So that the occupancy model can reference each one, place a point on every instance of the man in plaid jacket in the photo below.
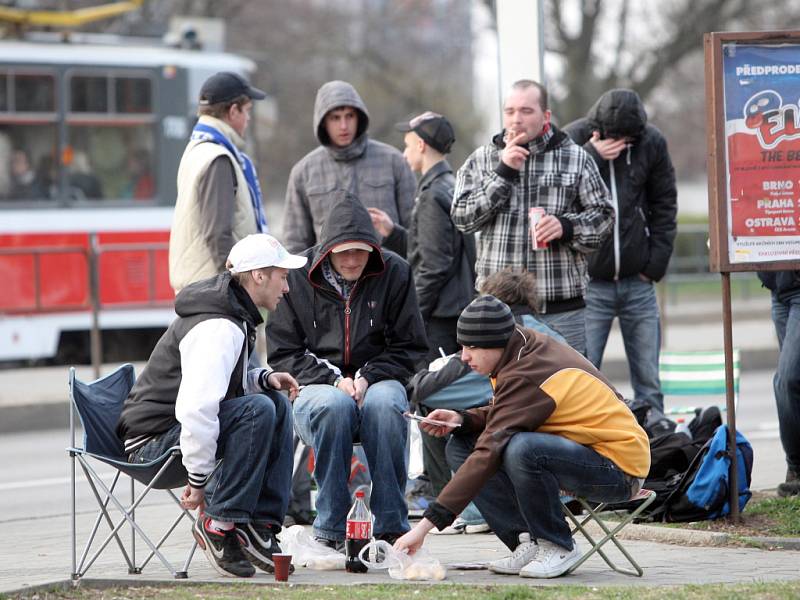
(533, 164)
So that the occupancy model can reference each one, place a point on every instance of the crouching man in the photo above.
(196, 392)
(555, 423)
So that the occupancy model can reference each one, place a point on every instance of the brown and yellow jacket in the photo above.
(545, 386)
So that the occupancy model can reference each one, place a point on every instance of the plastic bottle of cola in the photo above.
(359, 531)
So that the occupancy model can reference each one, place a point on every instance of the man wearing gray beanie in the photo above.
(555, 422)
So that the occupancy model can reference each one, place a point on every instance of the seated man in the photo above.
(555, 424)
(196, 392)
(352, 335)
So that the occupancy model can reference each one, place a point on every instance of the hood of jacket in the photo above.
(618, 113)
(348, 221)
(220, 295)
(336, 94)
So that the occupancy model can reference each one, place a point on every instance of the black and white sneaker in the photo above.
(259, 543)
(223, 549)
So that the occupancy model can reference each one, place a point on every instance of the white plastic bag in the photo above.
(308, 552)
(421, 566)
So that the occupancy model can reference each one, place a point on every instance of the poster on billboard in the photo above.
(753, 80)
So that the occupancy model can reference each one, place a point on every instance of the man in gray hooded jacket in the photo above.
(349, 161)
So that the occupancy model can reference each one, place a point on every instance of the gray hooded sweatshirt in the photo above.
(373, 172)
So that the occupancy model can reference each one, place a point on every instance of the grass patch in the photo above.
(238, 591)
(763, 516)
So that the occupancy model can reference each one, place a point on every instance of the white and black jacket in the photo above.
(199, 362)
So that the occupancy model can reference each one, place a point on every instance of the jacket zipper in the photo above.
(615, 203)
(347, 312)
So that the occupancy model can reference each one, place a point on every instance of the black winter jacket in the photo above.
(785, 284)
(442, 258)
(643, 191)
(317, 335)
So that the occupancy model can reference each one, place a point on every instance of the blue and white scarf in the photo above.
(206, 133)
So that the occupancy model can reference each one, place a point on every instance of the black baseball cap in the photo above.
(226, 86)
(434, 129)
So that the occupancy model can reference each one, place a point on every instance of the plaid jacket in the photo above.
(494, 199)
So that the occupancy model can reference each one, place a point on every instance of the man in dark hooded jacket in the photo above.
(351, 334)
(635, 165)
(347, 160)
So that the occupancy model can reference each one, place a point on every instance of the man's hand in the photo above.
(412, 540)
(381, 221)
(347, 386)
(284, 382)
(360, 385)
(192, 498)
(513, 154)
(609, 148)
(549, 229)
(441, 414)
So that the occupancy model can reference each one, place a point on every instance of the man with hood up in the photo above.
(351, 334)
(346, 160)
(197, 392)
(635, 165)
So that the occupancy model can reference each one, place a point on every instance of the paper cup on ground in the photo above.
(282, 562)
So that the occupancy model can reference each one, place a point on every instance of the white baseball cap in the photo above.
(261, 250)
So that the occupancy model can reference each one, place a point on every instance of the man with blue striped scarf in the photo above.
(219, 197)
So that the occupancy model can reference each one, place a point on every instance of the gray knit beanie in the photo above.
(485, 323)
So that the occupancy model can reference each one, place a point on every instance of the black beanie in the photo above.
(485, 323)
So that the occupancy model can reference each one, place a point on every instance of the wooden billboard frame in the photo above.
(719, 258)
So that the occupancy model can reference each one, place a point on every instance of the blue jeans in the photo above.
(786, 316)
(633, 301)
(329, 421)
(570, 324)
(255, 445)
(524, 494)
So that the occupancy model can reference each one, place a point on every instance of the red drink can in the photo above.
(535, 216)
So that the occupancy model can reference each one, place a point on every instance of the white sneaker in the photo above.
(522, 555)
(551, 561)
(456, 527)
(478, 528)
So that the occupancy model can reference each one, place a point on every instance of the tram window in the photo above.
(34, 93)
(28, 170)
(133, 95)
(88, 94)
(118, 159)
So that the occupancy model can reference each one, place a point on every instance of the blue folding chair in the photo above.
(99, 405)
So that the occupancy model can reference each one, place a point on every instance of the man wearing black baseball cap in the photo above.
(219, 196)
(441, 257)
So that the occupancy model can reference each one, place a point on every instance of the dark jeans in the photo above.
(441, 334)
(524, 495)
(786, 316)
(255, 443)
(634, 303)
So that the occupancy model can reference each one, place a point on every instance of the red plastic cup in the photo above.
(282, 562)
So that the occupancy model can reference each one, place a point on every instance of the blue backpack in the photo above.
(703, 492)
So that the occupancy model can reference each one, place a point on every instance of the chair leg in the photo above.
(135, 570)
(73, 527)
(126, 517)
(610, 535)
(91, 478)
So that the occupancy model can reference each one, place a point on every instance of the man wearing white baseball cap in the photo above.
(197, 392)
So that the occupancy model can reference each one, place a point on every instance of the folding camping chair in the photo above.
(646, 497)
(696, 373)
(99, 405)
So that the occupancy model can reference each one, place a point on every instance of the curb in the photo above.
(692, 537)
